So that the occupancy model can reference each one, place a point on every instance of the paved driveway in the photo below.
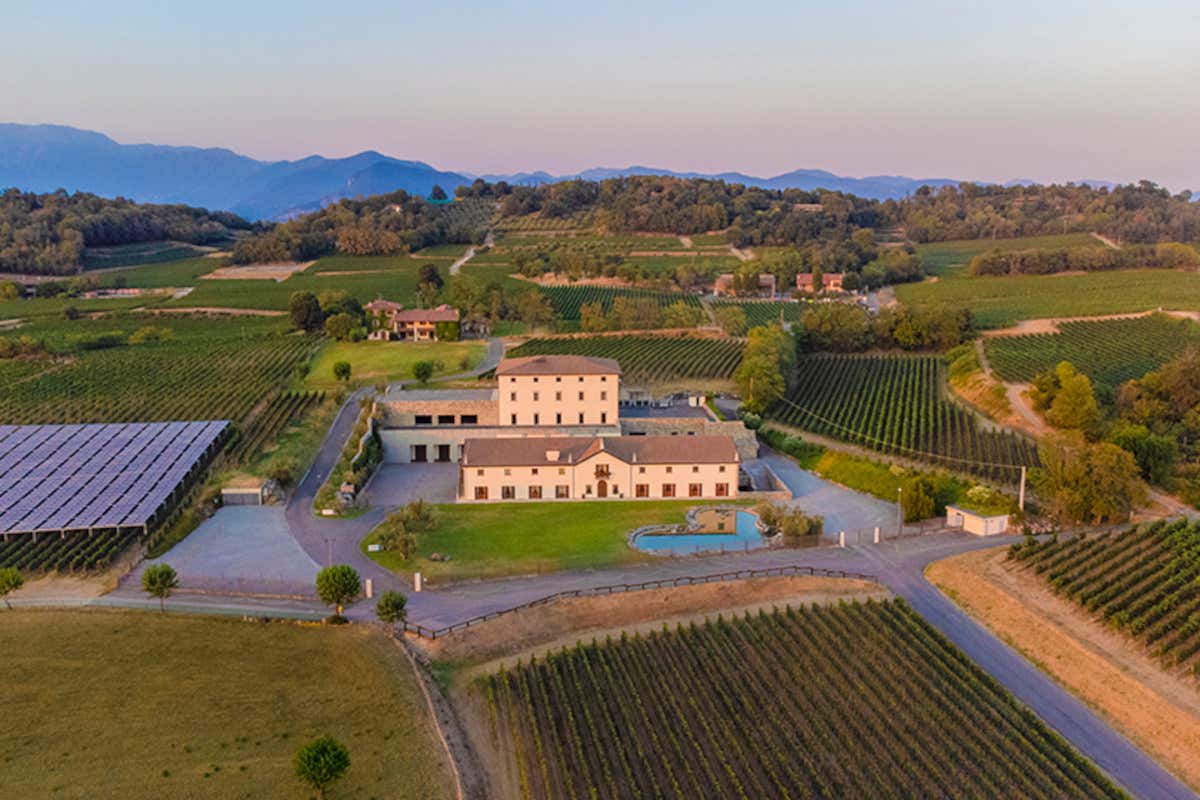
(397, 484)
(241, 548)
(843, 509)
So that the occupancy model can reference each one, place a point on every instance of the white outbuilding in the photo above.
(976, 522)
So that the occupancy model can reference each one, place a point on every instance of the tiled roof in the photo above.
(558, 365)
(544, 451)
(442, 313)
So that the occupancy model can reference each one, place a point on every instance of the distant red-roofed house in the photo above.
(392, 321)
(830, 282)
(726, 285)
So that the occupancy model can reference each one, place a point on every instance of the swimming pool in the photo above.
(712, 530)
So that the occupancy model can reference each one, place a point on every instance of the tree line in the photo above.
(47, 234)
(1165, 255)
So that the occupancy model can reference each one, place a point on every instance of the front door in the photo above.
(419, 454)
(602, 488)
(443, 452)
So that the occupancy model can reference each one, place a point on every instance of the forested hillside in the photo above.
(46, 234)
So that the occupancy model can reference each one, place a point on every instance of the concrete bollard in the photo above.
(841, 538)
(876, 534)
(416, 581)
(369, 589)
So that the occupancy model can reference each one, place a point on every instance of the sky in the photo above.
(1051, 90)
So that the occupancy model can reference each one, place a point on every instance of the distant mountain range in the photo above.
(43, 158)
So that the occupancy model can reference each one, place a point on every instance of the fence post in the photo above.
(417, 581)
(370, 589)
(876, 534)
(841, 538)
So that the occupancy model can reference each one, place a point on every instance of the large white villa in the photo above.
(559, 427)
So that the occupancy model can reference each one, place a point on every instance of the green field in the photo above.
(649, 359)
(1002, 301)
(567, 299)
(898, 405)
(765, 312)
(185, 272)
(142, 706)
(143, 253)
(339, 263)
(947, 258)
(495, 539)
(373, 362)
(1110, 352)
(853, 700)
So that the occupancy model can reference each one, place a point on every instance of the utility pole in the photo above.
(899, 510)
(1021, 494)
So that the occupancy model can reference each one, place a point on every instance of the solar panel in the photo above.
(72, 477)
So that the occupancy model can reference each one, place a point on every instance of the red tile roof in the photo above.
(534, 451)
(558, 365)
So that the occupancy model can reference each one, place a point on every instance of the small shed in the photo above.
(246, 490)
(976, 522)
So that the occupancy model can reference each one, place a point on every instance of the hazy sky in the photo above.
(1052, 89)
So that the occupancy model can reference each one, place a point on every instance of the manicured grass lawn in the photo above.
(139, 705)
(946, 258)
(998, 302)
(372, 362)
(491, 539)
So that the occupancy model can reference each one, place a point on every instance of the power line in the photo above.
(857, 435)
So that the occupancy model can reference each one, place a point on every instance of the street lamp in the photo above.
(899, 510)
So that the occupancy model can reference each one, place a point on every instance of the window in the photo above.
(533, 471)
(508, 492)
(695, 489)
(581, 379)
(423, 419)
(668, 490)
(722, 490)
(604, 395)
(603, 378)
(695, 468)
(536, 419)
(479, 472)
(558, 395)
(581, 395)
(514, 419)
(535, 493)
(670, 470)
(535, 380)
(512, 396)
(445, 419)
(641, 470)
(558, 379)
(512, 380)
(481, 493)
(580, 417)
(641, 490)
(603, 417)
(562, 490)
(507, 471)
(468, 419)
(721, 468)
(558, 419)
(562, 470)
(536, 397)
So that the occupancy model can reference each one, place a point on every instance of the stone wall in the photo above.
(743, 438)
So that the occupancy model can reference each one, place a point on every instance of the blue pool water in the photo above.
(718, 530)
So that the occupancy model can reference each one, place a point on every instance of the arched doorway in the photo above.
(602, 488)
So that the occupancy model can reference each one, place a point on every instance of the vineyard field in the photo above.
(205, 371)
(898, 405)
(945, 258)
(1144, 581)
(853, 700)
(567, 299)
(74, 553)
(649, 359)
(765, 312)
(1110, 352)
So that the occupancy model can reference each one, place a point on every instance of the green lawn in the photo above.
(946, 258)
(171, 273)
(372, 362)
(138, 705)
(998, 302)
(492, 539)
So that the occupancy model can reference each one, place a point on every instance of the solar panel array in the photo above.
(76, 477)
